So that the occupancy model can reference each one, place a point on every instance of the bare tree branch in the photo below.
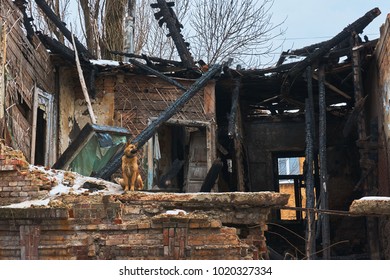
(234, 28)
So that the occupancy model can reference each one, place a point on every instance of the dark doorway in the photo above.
(40, 147)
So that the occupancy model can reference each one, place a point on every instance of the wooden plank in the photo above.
(332, 87)
(83, 85)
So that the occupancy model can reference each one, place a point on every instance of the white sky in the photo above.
(313, 21)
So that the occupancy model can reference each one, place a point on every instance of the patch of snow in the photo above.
(176, 212)
(64, 186)
(386, 198)
(29, 203)
(342, 104)
(104, 62)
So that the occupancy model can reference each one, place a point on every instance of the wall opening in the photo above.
(40, 143)
(290, 180)
(177, 157)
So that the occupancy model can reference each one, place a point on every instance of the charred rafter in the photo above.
(85, 54)
(167, 15)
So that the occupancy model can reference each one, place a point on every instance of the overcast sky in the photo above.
(313, 21)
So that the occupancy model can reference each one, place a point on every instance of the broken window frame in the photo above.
(44, 101)
(83, 139)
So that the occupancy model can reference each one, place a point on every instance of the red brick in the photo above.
(165, 237)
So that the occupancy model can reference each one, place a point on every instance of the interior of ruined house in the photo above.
(313, 132)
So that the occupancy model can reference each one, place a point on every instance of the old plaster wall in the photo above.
(378, 87)
(73, 109)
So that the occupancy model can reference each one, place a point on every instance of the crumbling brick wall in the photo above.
(135, 225)
(17, 182)
(105, 227)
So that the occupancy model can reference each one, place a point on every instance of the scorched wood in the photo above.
(357, 27)
(61, 26)
(149, 131)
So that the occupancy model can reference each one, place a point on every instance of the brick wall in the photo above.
(17, 182)
(133, 225)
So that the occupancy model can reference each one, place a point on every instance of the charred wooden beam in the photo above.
(332, 87)
(152, 58)
(211, 176)
(149, 131)
(307, 50)
(169, 17)
(232, 128)
(145, 135)
(158, 74)
(57, 47)
(61, 26)
(21, 4)
(357, 27)
(309, 179)
(323, 165)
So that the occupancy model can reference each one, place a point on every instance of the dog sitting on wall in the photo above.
(131, 177)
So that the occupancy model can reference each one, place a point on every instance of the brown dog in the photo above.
(131, 177)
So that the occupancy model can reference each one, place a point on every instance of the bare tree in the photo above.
(232, 29)
(216, 30)
(113, 27)
(90, 24)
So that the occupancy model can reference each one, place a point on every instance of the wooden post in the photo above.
(309, 179)
(232, 128)
(323, 166)
(83, 85)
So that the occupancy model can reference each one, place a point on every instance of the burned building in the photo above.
(288, 147)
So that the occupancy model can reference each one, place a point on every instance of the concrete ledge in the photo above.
(239, 199)
(371, 206)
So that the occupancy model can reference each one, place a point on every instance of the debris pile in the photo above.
(24, 185)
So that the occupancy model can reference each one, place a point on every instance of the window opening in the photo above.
(290, 180)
